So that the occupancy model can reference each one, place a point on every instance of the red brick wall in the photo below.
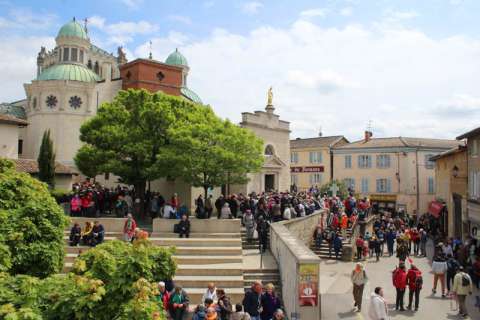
(143, 75)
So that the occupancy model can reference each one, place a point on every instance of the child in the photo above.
(239, 314)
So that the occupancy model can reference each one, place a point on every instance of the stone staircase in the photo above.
(265, 275)
(203, 258)
(322, 252)
(253, 244)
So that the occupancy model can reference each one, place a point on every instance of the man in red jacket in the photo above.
(415, 282)
(400, 283)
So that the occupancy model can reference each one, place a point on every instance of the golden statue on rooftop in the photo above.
(270, 97)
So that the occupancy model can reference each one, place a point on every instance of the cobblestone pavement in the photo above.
(337, 299)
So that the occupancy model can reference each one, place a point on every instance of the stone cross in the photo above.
(334, 189)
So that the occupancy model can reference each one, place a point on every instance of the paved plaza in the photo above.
(337, 299)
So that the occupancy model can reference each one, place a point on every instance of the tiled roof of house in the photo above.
(474, 132)
(31, 166)
(457, 149)
(395, 142)
(6, 118)
(315, 142)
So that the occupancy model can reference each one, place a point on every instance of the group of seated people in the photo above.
(92, 234)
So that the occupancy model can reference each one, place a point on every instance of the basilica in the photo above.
(76, 77)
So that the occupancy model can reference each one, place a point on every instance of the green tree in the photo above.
(31, 225)
(211, 152)
(88, 160)
(342, 188)
(46, 160)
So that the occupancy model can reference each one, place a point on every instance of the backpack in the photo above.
(418, 280)
(465, 280)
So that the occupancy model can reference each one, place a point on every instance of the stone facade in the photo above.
(312, 161)
(451, 178)
(473, 177)
(395, 173)
(275, 133)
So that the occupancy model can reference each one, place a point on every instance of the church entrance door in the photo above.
(269, 182)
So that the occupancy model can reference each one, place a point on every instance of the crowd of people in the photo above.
(259, 303)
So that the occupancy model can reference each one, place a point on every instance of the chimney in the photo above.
(368, 135)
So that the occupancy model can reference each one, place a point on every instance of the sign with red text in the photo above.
(308, 285)
(307, 169)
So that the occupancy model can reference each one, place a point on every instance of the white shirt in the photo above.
(287, 214)
(378, 308)
(210, 295)
(168, 211)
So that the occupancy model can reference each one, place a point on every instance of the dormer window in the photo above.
(74, 56)
(269, 151)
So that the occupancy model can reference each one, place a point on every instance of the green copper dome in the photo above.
(74, 72)
(177, 59)
(73, 29)
(190, 95)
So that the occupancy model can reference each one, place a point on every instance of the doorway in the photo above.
(269, 182)
(457, 215)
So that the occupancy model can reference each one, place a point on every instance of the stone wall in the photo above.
(287, 243)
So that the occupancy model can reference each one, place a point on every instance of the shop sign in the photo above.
(308, 285)
(383, 197)
(307, 169)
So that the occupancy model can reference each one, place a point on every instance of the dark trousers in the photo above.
(415, 292)
(182, 233)
(209, 212)
(450, 277)
(400, 295)
(416, 247)
(75, 240)
(359, 253)
(390, 249)
(177, 314)
(263, 243)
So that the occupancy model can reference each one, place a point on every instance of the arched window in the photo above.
(89, 64)
(269, 151)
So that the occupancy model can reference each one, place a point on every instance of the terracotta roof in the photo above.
(458, 149)
(315, 142)
(31, 166)
(5, 118)
(474, 132)
(401, 142)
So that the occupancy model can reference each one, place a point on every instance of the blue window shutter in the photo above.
(389, 185)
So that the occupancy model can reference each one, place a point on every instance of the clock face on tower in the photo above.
(51, 101)
(75, 102)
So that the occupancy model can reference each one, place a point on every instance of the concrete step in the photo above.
(195, 294)
(66, 239)
(198, 242)
(79, 249)
(67, 267)
(196, 260)
(212, 270)
(258, 276)
(203, 281)
(196, 235)
(209, 251)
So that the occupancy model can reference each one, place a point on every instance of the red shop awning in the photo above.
(435, 208)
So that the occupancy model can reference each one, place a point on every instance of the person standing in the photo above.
(359, 245)
(423, 243)
(224, 305)
(414, 282)
(252, 301)
(249, 223)
(390, 237)
(178, 303)
(358, 278)
(378, 306)
(439, 268)
(337, 245)
(452, 268)
(262, 229)
(344, 225)
(400, 284)
(209, 206)
(270, 302)
(129, 228)
(462, 285)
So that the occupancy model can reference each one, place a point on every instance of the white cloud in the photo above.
(251, 7)
(122, 32)
(311, 13)
(24, 18)
(337, 78)
(346, 12)
(132, 4)
(181, 19)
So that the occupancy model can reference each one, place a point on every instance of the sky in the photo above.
(409, 68)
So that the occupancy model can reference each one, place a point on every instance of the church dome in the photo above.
(73, 29)
(190, 95)
(177, 59)
(74, 72)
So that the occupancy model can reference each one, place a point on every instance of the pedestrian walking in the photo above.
(452, 269)
(439, 268)
(462, 285)
(337, 245)
(359, 244)
(252, 301)
(390, 237)
(358, 278)
(423, 243)
(415, 283)
(400, 284)
(378, 306)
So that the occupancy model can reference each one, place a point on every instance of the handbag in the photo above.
(176, 228)
(255, 234)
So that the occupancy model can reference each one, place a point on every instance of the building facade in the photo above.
(451, 189)
(395, 173)
(473, 177)
(275, 172)
(10, 127)
(311, 160)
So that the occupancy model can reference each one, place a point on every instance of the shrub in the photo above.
(31, 225)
